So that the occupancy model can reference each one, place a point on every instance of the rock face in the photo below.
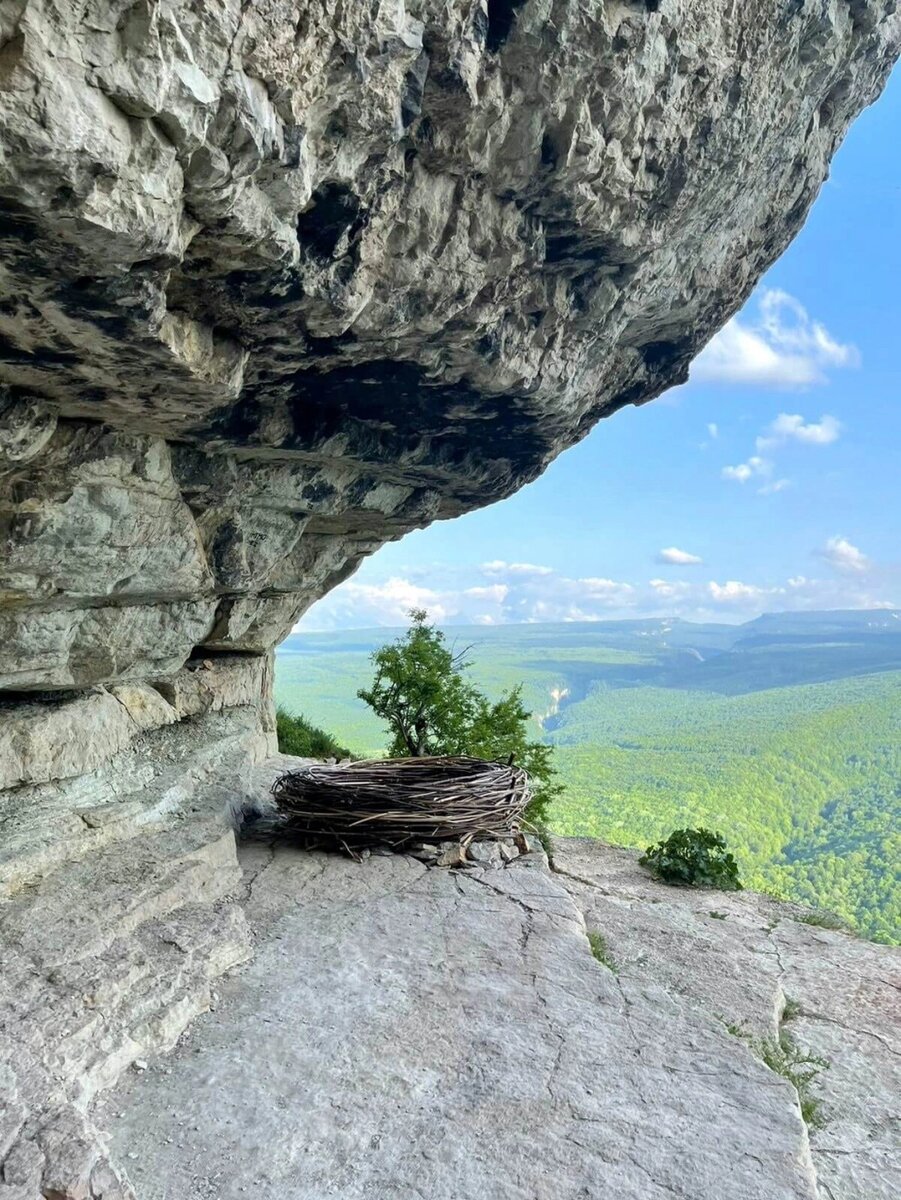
(757, 966)
(281, 280)
(417, 1031)
(116, 854)
(404, 1028)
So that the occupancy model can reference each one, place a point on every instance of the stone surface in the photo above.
(116, 855)
(420, 1031)
(405, 1029)
(110, 950)
(750, 961)
(283, 281)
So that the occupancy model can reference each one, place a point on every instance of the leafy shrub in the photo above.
(298, 737)
(420, 690)
(693, 858)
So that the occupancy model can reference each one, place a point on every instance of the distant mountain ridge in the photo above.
(772, 650)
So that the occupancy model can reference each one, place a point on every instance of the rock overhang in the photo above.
(339, 274)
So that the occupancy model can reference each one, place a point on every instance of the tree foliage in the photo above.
(693, 858)
(420, 689)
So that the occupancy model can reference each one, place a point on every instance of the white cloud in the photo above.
(783, 348)
(755, 466)
(496, 592)
(674, 556)
(713, 430)
(734, 592)
(790, 427)
(454, 595)
(606, 592)
(844, 556)
(386, 603)
(787, 427)
(499, 567)
(667, 590)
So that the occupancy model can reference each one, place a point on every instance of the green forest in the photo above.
(783, 735)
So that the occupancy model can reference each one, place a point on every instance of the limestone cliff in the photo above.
(281, 280)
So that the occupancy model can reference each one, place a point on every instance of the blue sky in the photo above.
(776, 466)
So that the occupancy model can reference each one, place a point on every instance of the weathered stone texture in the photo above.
(754, 964)
(415, 1030)
(116, 858)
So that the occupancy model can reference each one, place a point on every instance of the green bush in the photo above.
(693, 858)
(298, 737)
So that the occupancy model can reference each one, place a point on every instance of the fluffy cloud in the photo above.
(790, 427)
(844, 556)
(454, 596)
(496, 593)
(755, 466)
(733, 592)
(787, 427)
(673, 556)
(387, 603)
(782, 347)
(599, 589)
(667, 590)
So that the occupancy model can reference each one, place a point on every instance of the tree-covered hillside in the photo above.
(785, 734)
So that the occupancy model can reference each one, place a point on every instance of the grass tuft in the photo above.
(783, 1056)
(601, 952)
(823, 918)
(791, 1009)
(539, 830)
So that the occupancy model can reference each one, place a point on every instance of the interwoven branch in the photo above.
(397, 801)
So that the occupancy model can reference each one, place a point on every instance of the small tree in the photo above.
(421, 691)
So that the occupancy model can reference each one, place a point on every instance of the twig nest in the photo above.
(402, 801)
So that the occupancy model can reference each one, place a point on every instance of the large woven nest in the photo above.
(395, 801)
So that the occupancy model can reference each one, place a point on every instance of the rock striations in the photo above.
(281, 280)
